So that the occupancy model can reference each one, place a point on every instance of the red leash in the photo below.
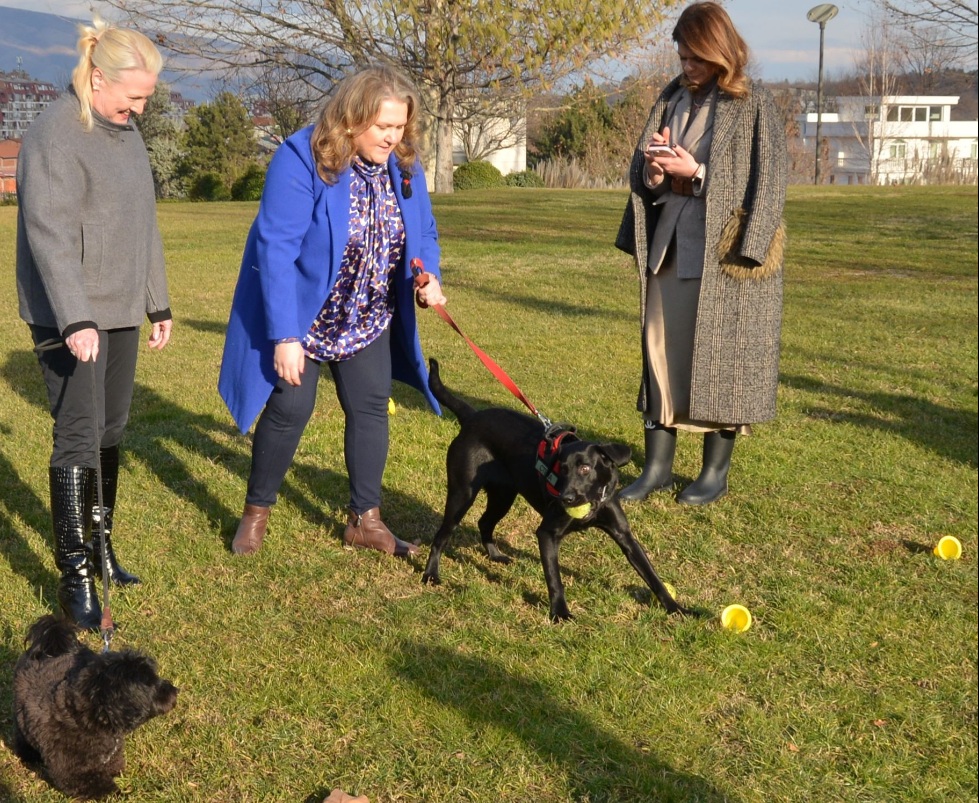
(421, 279)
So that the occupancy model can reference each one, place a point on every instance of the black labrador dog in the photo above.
(572, 483)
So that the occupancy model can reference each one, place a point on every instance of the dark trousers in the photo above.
(87, 417)
(363, 385)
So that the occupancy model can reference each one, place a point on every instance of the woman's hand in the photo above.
(289, 362)
(682, 165)
(83, 344)
(654, 170)
(430, 293)
(160, 334)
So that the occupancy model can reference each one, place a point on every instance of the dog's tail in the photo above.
(461, 409)
(50, 637)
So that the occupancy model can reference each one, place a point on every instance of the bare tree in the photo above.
(290, 101)
(926, 56)
(453, 49)
(489, 123)
(878, 76)
(957, 19)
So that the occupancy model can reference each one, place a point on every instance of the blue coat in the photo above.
(291, 262)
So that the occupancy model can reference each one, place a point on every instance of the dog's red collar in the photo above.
(548, 464)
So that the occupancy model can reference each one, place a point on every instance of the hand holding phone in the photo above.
(660, 149)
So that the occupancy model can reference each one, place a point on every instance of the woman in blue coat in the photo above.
(325, 281)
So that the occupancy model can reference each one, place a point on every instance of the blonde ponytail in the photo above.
(113, 50)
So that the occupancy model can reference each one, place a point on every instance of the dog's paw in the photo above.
(429, 579)
(561, 615)
(494, 554)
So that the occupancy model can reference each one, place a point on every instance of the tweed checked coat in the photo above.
(734, 375)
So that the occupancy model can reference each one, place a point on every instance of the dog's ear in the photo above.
(618, 453)
(50, 637)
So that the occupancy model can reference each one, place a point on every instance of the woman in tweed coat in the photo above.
(704, 224)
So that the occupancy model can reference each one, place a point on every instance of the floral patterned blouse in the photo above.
(361, 303)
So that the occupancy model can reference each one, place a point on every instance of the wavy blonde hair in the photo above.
(354, 106)
(113, 50)
(706, 30)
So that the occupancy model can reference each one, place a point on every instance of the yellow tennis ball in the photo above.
(949, 548)
(736, 618)
(579, 511)
(391, 408)
(670, 590)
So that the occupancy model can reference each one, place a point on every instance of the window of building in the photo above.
(897, 149)
(914, 114)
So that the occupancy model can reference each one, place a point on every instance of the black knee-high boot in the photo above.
(71, 504)
(711, 485)
(109, 459)
(657, 473)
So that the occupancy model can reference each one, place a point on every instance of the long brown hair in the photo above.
(706, 30)
(352, 108)
(113, 50)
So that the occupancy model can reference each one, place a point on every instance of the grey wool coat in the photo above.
(736, 343)
(89, 252)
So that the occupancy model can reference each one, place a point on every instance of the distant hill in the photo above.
(43, 46)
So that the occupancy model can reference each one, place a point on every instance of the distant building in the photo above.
(22, 98)
(497, 137)
(179, 107)
(9, 151)
(895, 139)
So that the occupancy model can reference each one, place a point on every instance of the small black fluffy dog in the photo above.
(73, 706)
(506, 453)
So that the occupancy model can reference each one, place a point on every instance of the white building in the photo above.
(894, 139)
(500, 141)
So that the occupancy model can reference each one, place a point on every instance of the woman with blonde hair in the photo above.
(89, 269)
(704, 224)
(326, 281)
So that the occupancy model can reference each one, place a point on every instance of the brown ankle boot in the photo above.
(367, 531)
(251, 530)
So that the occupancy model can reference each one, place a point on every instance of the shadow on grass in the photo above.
(597, 764)
(948, 432)
(21, 501)
(550, 308)
(154, 424)
(207, 327)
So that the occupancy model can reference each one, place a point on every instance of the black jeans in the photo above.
(363, 385)
(86, 417)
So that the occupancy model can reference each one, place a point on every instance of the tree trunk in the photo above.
(443, 144)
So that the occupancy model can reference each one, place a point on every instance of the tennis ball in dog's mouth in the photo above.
(578, 511)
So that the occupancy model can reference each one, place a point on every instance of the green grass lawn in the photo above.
(309, 667)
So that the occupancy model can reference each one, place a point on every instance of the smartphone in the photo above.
(660, 149)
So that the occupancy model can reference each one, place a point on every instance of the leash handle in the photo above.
(421, 279)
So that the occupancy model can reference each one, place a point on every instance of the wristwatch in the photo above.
(697, 179)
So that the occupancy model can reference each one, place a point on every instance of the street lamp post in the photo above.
(822, 14)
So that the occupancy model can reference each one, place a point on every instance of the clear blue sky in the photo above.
(783, 42)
